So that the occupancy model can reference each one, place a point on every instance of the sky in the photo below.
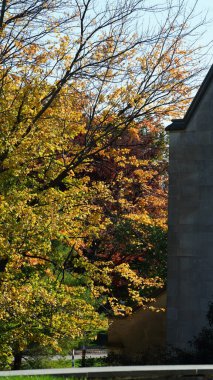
(205, 36)
(206, 6)
(203, 8)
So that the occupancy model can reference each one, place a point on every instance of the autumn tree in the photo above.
(75, 77)
(135, 171)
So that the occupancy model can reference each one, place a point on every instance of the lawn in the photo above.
(40, 377)
(43, 363)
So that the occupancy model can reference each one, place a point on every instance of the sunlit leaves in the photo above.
(83, 164)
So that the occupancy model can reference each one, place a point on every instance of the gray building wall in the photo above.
(190, 262)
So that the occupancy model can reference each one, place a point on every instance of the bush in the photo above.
(201, 351)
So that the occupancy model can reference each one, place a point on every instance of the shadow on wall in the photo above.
(140, 332)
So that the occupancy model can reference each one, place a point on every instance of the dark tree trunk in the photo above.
(83, 358)
(17, 360)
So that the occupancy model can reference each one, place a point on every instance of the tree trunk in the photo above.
(17, 361)
(83, 359)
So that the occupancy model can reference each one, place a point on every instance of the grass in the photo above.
(82, 378)
(40, 377)
(62, 363)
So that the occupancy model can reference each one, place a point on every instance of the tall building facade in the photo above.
(190, 261)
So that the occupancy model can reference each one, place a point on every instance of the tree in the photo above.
(153, 67)
(135, 170)
(39, 302)
(71, 85)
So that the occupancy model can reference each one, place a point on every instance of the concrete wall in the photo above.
(139, 332)
(190, 263)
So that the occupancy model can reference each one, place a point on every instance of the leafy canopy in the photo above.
(78, 87)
